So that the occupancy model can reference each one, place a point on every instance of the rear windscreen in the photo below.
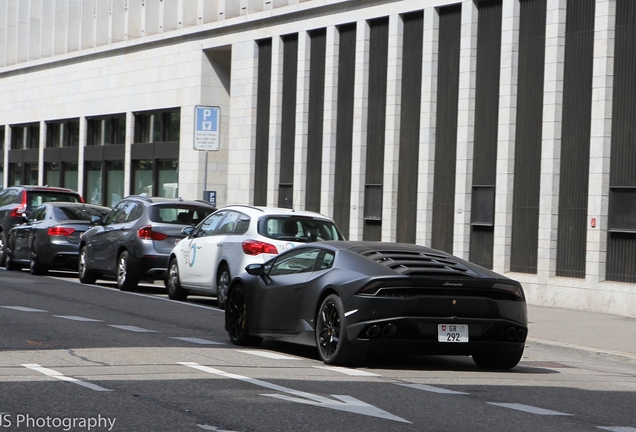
(37, 198)
(79, 212)
(298, 229)
(180, 215)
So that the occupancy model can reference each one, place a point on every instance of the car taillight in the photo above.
(18, 211)
(60, 231)
(146, 233)
(255, 247)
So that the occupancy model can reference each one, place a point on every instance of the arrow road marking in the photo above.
(23, 309)
(344, 403)
(432, 389)
(55, 374)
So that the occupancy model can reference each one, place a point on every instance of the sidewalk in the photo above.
(603, 334)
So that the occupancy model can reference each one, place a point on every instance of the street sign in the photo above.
(210, 196)
(206, 127)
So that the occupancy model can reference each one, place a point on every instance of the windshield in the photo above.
(179, 214)
(297, 228)
(79, 212)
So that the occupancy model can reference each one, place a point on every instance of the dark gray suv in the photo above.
(133, 242)
(16, 202)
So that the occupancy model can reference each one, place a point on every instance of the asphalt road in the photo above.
(78, 357)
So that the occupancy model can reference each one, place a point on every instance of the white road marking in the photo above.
(55, 374)
(344, 403)
(617, 428)
(77, 318)
(198, 341)
(23, 309)
(133, 329)
(432, 389)
(347, 371)
(528, 409)
(213, 428)
(268, 355)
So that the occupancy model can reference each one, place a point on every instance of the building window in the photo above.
(1, 138)
(52, 174)
(115, 182)
(25, 136)
(156, 177)
(63, 133)
(93, 183)
(104, 182)
(61, 174)
(109, 130)
(23, 173)
(157, 126)
(70, 175)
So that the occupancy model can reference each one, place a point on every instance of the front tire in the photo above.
(3, 248)
(125, 280)
(236, 318)
(333, 346)
(85, 275)
(496, 359)
(175, 292)
(223, 279)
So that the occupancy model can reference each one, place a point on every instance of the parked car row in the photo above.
(278, 273)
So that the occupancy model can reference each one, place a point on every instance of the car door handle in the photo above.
(219, 244)
(199, 246)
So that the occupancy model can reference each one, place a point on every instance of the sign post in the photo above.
(206, 133)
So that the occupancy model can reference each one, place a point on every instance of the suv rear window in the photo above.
(179, 214)
(301, 229)
(37, 198)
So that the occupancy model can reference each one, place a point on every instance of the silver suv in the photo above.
(134, 240)
(228, 240)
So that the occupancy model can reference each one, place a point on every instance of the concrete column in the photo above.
(428, 111)
(41, 145)
(392, 129)
(329, 122)
(601, 138)
(551, 138)
(506, 135)
(242, 122)
(465, 129)
(275, 121)
(359, 138)
(302, 120)
(128, 140)
(83, 126)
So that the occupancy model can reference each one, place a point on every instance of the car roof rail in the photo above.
(248, 206)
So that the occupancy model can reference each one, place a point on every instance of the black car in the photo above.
(50, 237)
(134, 240)
(16, 202)
(348, 298)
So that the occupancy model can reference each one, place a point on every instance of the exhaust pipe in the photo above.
(512, 333)
(389, 330)
(373, 331)
(521, 335)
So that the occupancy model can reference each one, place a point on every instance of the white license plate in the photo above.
(452, 333)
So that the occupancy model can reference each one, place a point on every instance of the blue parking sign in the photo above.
(206, 128)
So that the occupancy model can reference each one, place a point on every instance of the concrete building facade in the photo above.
(497, 130)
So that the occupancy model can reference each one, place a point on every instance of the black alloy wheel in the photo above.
(85, 275)
(9, 263)
(236, 318)
(223, 280)
(175, 292)
(125, 280)
(331, 340)
(3, 248)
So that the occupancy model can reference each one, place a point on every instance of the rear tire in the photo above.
(223, 279)
(3, 248)
(175, 292)
(34, 267)
(85, 275)
(237, 319)
(333, 346)
(496, 359)
(125, 281)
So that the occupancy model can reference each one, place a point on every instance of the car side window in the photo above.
(325, 261)
(114, 213)
(229, 223)
(126, 213)
(38, 214)
(209, 226)
(297, 261)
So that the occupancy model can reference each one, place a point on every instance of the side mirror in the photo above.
(255, 269)
(95, 220)
(187, 231)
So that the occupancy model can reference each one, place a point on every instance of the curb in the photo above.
(595, 352)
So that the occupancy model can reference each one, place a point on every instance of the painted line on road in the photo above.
(198, 341)
(133, 329)
(23, 309)
(528, 409)
(77, 318)
(268, 355)
(432, 389)
(347, 371)
(617, 428)
(55, 374)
